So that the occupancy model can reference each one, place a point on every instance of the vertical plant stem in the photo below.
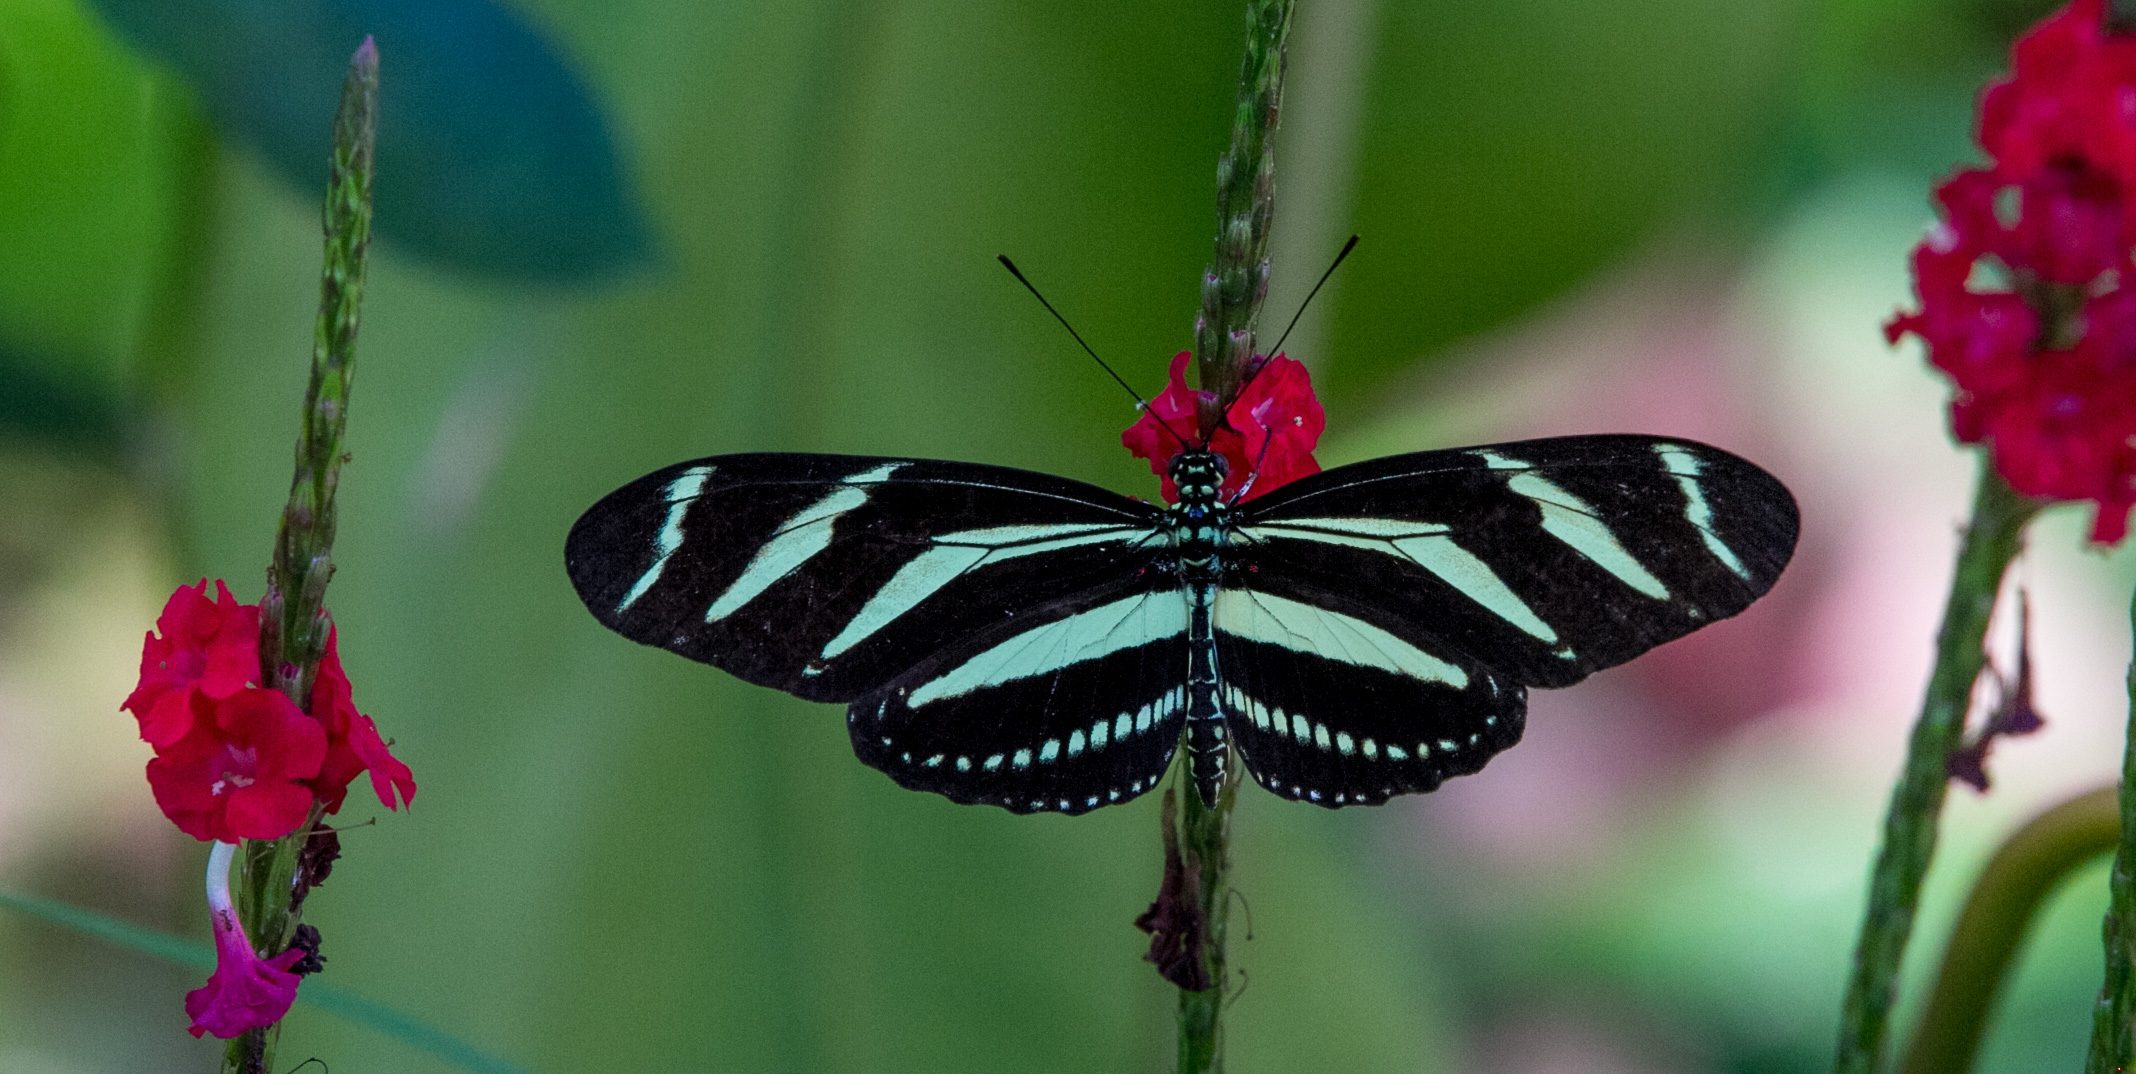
(1237, 280)
(1992, 539)
(2005, 901)
(1205, 842)
(293, 622)
(2112, 1050)
(1232, 290)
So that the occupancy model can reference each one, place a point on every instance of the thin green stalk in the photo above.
(1205, 842)
(1232, 292)
(293, 622)
(2028, 867)
(1992, 539)
(1237, 280)
(2112, 1049)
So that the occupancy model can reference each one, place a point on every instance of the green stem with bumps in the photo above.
(1237, 279)
(2112, 1049)
(1984, 943)
(1232, 291)
(293, 621)
(2113, 1019)
(1992, 540)
(1205, 843)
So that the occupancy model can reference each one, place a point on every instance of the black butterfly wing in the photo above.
(1327, 706)
(1068, 707)
(1405, 602)
(828, 576)
(1548, 559)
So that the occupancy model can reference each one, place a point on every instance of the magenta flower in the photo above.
(245, 991)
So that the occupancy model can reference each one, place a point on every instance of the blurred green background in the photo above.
(616, 235)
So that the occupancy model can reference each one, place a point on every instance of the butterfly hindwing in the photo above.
(1329, 705)
(1546, 559)
(826, 576)
(1069, 707)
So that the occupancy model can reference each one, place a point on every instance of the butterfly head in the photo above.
(1199, 473)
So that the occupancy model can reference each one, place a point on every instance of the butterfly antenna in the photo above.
(1268, 438)
(1302, 306)
(1140, 402)
(1225, 420)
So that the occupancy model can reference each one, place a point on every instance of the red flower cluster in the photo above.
(1268, 437)
(235, 760)
(2027, 287)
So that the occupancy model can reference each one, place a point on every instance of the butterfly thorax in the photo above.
(1201, 518)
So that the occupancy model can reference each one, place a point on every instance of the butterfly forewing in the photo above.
(1546, 559)
(827, 576)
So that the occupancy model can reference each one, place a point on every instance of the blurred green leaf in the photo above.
(90, 144)
(1510, 149)
(496, 160)
(46, 404)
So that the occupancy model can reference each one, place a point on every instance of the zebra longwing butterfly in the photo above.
(1023, 640)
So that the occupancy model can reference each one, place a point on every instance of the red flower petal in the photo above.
(2045, 363)
(2069, 95)
(239, 775)
(206, 647)
(1279, 422)
(1155, 440)
(174, 715)
(1268, 436)
(353, 741)
(389, 777)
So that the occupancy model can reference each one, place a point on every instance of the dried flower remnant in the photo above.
(1179, 930)
(2013, 713)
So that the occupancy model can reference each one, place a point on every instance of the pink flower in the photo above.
(1267, 437)
(352, 740)
(245, 991)
(239, 774)
(206, 649)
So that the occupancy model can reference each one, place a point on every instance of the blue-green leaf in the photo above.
(493, 157)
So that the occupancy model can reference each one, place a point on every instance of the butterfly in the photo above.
(1023, 640)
